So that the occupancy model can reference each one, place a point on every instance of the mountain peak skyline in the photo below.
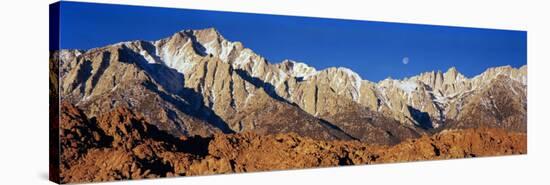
(374, 50)
(209, 35)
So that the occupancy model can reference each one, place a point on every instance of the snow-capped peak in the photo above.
(350, 73)
(298, 69)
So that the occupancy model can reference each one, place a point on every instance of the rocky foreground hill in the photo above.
(122, 145)
(196, 103)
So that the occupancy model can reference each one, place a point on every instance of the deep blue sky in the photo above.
(375, 50)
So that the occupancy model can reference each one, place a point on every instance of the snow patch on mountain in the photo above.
(245, 56)
(181, 62)
(226, 48)
(150, 59)
(211, 48)
(407, 86)
(302, 70)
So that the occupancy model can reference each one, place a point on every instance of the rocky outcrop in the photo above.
(116, 145)
(120, 144)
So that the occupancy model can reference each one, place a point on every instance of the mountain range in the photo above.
(196, 82)
(196, 103)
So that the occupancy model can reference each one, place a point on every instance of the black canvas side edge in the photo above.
(54, 153)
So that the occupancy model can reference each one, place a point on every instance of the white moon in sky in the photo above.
(405, 60)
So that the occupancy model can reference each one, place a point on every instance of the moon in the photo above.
(405, 60)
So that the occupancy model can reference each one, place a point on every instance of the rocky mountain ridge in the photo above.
(196, 82)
